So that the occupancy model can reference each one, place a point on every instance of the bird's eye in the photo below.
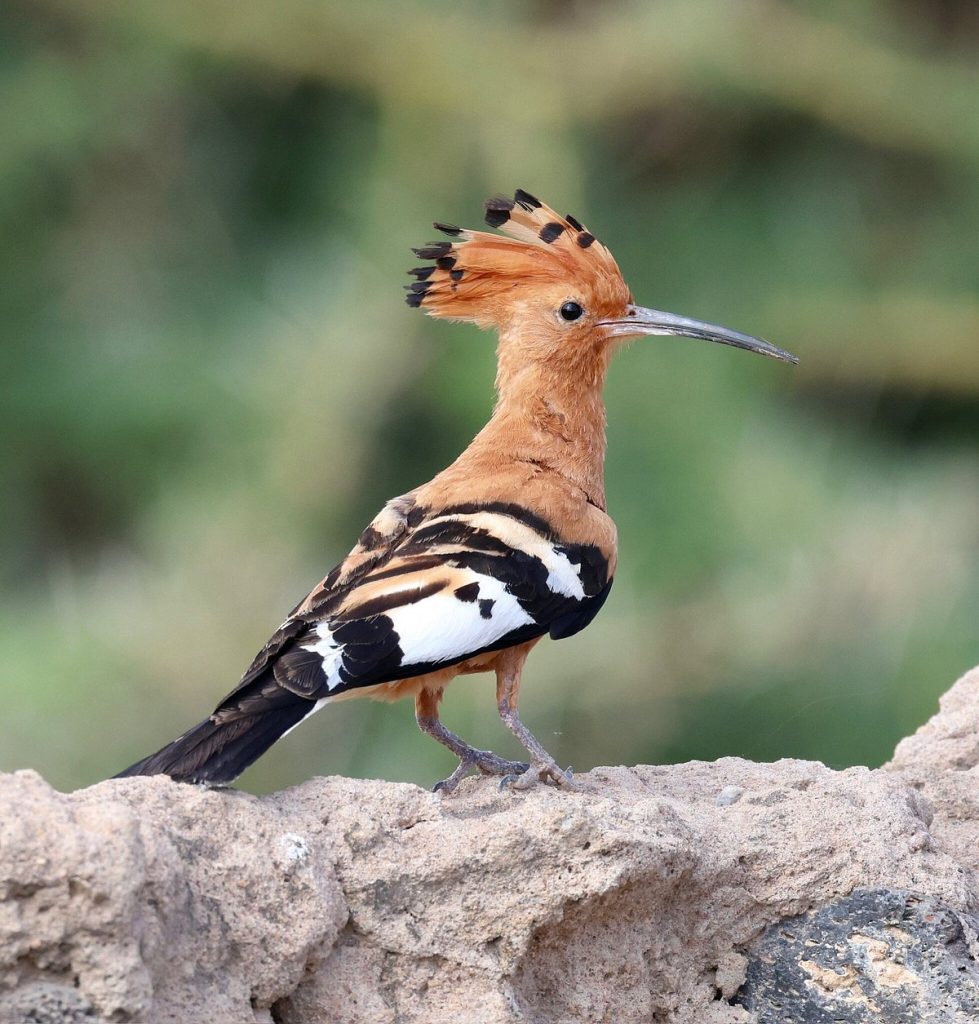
(571, 311)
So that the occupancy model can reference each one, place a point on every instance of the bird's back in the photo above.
(466, 565)
(458, 567)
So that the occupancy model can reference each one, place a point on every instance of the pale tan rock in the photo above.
(941, 762)
(347, 901)
(949, 741)
(155, 903)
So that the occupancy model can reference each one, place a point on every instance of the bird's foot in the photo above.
(542, 770)
(485, 762)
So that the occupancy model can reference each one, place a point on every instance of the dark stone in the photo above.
(877, 956)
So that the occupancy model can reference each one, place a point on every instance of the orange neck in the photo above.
(552, 414)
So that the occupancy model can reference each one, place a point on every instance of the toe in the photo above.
(493, 765)
(448, 786)
(526, 779)
(543, 772)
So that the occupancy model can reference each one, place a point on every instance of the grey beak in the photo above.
(641, 321)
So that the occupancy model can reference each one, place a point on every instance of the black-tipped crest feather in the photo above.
(526, 200)
(478, 269)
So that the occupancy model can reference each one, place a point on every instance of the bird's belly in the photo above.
(431, 681)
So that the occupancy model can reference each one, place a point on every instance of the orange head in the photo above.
(551, 289)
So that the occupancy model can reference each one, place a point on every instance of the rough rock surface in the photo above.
(677, 894)
(875, 955)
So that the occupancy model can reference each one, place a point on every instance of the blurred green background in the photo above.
(210, 381)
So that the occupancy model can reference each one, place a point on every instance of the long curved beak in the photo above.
(641, 321)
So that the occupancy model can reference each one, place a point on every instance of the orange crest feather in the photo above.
(478, 275)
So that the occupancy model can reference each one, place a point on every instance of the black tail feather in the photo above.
(216, 753)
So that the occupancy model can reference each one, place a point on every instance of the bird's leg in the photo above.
(470, 758)
(508, 669)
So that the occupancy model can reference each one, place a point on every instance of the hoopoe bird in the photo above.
(467, 572)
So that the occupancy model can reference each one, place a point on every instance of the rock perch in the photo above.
(717, 893)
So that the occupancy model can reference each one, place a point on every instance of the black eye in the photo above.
(571, 311)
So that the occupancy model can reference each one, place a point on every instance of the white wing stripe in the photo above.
(562, 573)
(438, 628)
(443, 628)
(316, 706)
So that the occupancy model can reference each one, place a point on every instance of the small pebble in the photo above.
(293, 849)
(729, 795)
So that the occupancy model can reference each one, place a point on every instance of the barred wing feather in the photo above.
(460, 584)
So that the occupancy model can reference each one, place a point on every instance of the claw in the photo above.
(448, 786)
(487, 764)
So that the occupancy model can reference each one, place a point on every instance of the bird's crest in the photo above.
(477, 273)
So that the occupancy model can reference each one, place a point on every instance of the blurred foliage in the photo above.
(210, 381)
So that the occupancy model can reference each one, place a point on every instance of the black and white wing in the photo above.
(463, 583)
(452, 585)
